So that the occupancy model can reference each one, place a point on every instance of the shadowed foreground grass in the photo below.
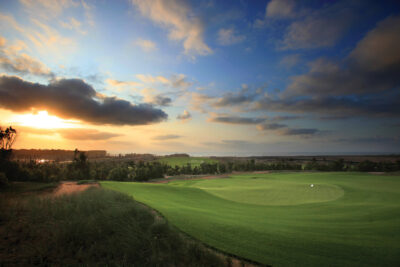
(96, 227)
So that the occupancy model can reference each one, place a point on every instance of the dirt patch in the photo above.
(377, 173)
(66, 188)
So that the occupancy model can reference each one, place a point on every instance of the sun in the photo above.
(43, 120)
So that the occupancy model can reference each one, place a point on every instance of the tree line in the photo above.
(81, 169)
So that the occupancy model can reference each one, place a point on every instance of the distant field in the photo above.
(183, 161)
(346, 219)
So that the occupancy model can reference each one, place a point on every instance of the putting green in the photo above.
(269, 191)
(346, 219)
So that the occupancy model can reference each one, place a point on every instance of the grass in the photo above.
(347, 219)
(87, 182)
(183, 161)
(26, 187)
(95, 228)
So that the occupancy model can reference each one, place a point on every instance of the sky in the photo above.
(241, 78)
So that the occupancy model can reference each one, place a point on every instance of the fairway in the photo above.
(346, 219)
(183, 161)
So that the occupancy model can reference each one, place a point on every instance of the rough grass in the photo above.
(95, 228)
(183, 161)
(25, 187)
(358, 227)
(87, 182)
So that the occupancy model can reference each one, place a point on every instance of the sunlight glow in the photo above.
(43, 120)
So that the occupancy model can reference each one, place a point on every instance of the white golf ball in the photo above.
(311, 185)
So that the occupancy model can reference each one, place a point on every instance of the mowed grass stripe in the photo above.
(360, 227)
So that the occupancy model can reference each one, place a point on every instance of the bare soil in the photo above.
(66, 188)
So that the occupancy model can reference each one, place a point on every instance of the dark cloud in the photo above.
(236, 120)
(270, 126)
(161, 101)
(283, 129)
(381, 105)
(313, 28)
(238, 98)
(373, 66)
(86, 134)
(180, 81)
(331, 118)
(299, 131)
(166, 137)
(73, 98)
(285, 118)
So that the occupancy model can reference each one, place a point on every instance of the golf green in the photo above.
(346, 219)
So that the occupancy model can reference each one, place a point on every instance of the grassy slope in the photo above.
(183, 161)
(94, 228)
(359, 228)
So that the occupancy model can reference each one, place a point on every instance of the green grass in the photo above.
(95, 228)
(347, 219)
(183, 161)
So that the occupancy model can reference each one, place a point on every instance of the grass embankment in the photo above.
(346, 219)
(183, 161)
(96, 227)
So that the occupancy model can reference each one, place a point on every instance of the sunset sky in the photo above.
(275, 77)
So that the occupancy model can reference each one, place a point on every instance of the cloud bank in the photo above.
(73, 98)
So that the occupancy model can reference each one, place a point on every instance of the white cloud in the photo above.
(145, 45)
(177, 17)
(73, 24)
(13, 60)
(229, 37)
(47, 8)
(147, 78)
(121, 85)
(177, 81)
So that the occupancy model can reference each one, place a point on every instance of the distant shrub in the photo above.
(3, 180)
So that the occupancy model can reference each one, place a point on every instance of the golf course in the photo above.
(285, 219)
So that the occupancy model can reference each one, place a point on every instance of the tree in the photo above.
(80, 165)
(7, 138)
(9, 170)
